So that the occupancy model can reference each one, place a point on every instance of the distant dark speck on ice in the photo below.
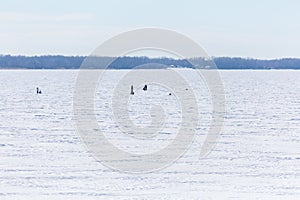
(38, 91)
(145, 88)
(132, 92)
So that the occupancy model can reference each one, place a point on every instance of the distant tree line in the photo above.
(243, 63)
(40, 62)
(74, 62)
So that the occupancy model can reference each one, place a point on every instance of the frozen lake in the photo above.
(257, 155)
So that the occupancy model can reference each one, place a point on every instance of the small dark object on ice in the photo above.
(38, 91)
(132, 92)
(145, 88)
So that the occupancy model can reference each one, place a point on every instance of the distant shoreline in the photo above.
(8, 62)
(78, 69)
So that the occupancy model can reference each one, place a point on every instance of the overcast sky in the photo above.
(256, 28)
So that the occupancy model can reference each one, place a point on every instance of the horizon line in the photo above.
(152, 57)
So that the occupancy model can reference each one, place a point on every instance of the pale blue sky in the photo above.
(256, 28)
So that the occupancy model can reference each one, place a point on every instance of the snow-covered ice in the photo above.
(257, 155)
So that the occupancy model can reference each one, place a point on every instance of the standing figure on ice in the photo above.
(132, 92)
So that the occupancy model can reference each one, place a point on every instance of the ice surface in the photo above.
(257, 155)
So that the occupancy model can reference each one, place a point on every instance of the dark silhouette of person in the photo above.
(38, 91)
(132, 92)
(145, 88)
